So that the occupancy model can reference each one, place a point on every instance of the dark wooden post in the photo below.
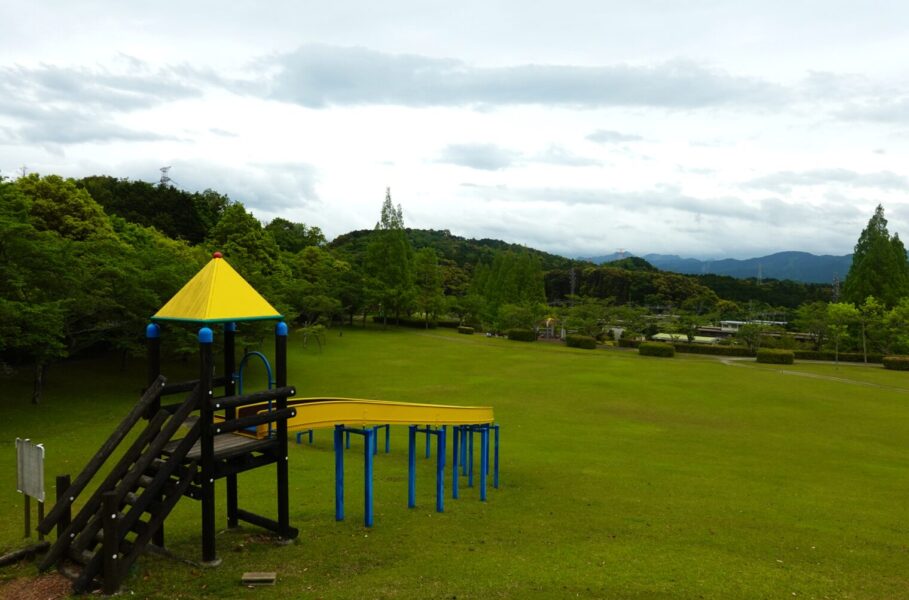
(209, 553)
(281, 432)
(63, 483)
(153, 346)
(230, 366)
(110, 544)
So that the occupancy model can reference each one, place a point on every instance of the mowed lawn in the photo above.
(622, 477)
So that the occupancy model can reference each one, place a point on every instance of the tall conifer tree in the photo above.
(879, 266)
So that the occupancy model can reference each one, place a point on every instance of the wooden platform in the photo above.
(226, 445)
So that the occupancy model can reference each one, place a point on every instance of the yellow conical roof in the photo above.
(217, 294)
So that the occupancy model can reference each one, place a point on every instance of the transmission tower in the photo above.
(165, 179)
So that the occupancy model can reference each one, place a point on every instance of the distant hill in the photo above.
(797, 266)
(459, 250)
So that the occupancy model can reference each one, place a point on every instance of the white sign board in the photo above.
(30, 480)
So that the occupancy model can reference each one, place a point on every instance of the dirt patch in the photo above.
(52, 586)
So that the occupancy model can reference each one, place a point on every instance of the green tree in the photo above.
(751, 334)
(896, 325)
(871, 318)
(879, 266)
(812, 318)
(389, 259)
(587, 316)
(428, 283)
(841, 315)
(57, 204)
(293, 237)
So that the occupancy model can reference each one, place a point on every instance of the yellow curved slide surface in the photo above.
(318, 413)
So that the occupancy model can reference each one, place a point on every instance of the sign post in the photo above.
(30, 479)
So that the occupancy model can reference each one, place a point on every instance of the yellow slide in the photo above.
(318, 413)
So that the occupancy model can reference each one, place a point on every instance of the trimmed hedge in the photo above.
(627, 343)
(713, 350)
(775, 357)
(844, 356)
(896, 363)
(580, 341)
(449, 323)
(465, 329)
(405, 322)
(521, 335)
(656, 349)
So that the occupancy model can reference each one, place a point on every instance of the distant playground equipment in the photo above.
(228, 434)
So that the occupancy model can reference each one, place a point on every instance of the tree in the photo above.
(750, 334)
(293, 237)
(871, 317)
(896, 323)
(389, 259)
(587, 316)
(840, 316)
(879, 265)
(812, 318)
(428, 283)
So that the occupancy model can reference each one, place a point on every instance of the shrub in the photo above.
(405, 322)
(775, 357)
(521, 335)
(629, 343)
(449, 323)
(844, 356)
(896, 363)
(465, 329)
(656, 349)
(713, 350)
(580, 341)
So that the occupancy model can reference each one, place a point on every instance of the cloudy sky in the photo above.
(707, 128)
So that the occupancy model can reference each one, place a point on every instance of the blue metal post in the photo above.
(347, 440)
(484, 460)
(495, 467)
(427, 442)
(412, 466)
(456, 436)
(440, 469)
(339, 473)
(464, 429)
(368, 452)
(387, 438)
(470, 455)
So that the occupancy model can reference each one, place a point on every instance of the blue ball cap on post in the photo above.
(206, 336)
(281, 329)
(152, 331)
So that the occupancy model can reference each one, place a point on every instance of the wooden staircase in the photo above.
(113, 527)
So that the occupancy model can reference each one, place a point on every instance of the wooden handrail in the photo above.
(97, 461)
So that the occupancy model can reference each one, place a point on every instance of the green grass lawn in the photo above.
(622, 477)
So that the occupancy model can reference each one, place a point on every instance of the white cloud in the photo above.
(683, 128)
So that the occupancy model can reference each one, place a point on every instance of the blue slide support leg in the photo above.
(440, 469)
(368, 453)
(495, 464)
(412, 466)
(484, 460)
(339, 473)
(455, 438)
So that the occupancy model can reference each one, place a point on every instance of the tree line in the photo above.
(85, 262)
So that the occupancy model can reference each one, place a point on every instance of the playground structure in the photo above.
(228, 433)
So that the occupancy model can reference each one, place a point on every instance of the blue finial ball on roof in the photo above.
(206, 336)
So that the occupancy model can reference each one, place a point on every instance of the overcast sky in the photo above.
(708, 128)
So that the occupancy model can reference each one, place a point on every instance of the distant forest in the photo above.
(85, 262)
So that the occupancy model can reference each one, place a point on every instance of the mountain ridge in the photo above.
(795, 265)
